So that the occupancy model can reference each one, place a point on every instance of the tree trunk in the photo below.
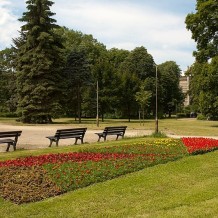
(143, 116)
(79, 103)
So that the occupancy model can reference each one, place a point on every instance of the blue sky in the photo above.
(158, 25)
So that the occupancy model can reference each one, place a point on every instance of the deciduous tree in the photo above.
(204, 27)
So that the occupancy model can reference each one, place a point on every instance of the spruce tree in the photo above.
(38, 63)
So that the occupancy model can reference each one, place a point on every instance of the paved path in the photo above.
(34, 137)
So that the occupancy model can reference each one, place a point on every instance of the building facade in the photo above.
(184, 84)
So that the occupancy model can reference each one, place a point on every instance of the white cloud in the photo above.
(128, 25)
(117, 23)
(9, 24)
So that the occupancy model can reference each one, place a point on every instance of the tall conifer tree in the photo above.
(38, 64)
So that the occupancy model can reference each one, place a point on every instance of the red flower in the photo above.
(200, 144)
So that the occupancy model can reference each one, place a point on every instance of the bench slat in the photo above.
(77, 133)
(112, 130)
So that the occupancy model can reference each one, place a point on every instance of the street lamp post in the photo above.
(97, 117)
(156, 117)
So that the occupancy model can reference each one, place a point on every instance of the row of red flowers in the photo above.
(62, 158)
(195, 145)
(73, 157)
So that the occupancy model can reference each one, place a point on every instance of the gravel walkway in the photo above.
(34, 137)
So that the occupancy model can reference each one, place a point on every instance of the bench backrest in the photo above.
(67, 133)
(10, 134)
(115, 129)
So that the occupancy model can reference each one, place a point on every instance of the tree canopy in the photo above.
(204, 27)
(38, 64)
(52, 71)
(204, 72)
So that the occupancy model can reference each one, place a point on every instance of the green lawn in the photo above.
(184, 188)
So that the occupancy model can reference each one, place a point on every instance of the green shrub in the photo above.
(158, 135)
(182, 115)
(8, 114)
(201, 117)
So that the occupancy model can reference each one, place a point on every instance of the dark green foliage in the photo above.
(109, 86)
(39, 64)
(140, 63)
(78, 75)
(8, 94)
(138, 66)
(170, 93)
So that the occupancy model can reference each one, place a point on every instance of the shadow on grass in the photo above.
(214, 126)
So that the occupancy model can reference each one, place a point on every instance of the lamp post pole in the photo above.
(97, 118)
(156, 117)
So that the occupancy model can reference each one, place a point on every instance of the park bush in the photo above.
(182, 115)
(201, 117)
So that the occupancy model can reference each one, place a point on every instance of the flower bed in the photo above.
(38, 177)
(35, 178)
(200, 145)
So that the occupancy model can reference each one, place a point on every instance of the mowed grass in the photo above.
(188, 126)
(184, 188)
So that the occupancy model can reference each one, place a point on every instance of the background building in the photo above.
(184, 84)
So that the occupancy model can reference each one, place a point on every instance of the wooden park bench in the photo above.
(116, 130)
(77, 133)
(10, 138)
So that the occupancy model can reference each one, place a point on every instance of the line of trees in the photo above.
(52, 71)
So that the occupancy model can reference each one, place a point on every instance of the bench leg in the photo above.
(117, 137)
(99, 138)
(50, 143)
(104, 138)
(76, 141)
(57, 143)
(7, 149)
(14, 145)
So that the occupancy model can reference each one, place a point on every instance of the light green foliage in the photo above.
(204, 28)
(204, 91)
(204, 81)
(143, 97)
